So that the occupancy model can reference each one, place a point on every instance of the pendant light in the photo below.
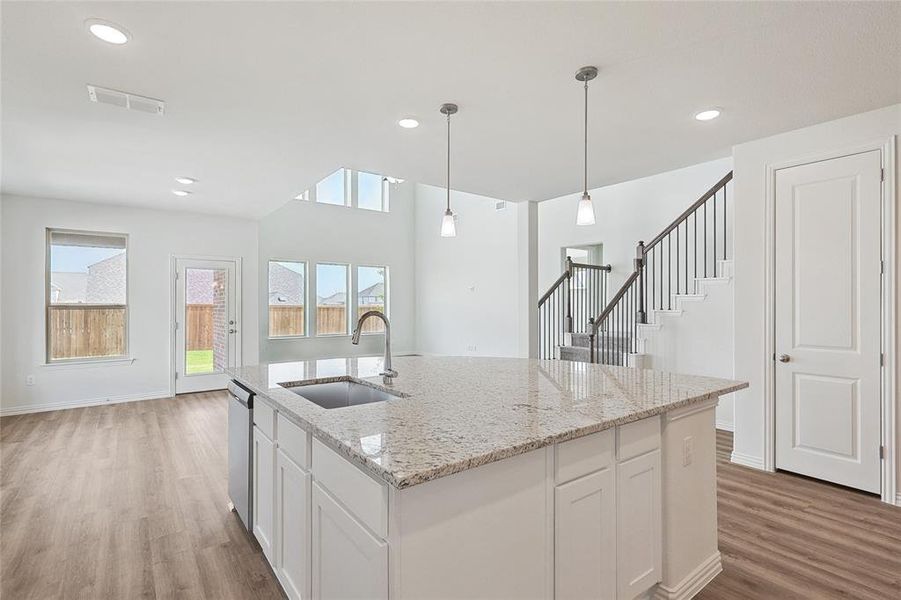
(448, 227)
(585, 212)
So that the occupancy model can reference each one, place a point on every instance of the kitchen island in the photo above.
(484, 478)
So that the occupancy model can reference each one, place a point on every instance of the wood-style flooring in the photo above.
(129, 501)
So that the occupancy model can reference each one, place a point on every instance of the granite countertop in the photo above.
(461, 412)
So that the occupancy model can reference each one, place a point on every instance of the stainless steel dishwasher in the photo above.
(240, 450)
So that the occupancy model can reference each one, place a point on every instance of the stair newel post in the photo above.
(569, 295)
(591, 334)
(641, 315)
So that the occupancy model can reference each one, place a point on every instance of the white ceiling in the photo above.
(264, 99)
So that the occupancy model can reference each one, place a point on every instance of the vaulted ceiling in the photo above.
(263, 99)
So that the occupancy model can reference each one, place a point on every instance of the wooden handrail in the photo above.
(607, 268)
(616, 298)
(687, 213)
(564, 275)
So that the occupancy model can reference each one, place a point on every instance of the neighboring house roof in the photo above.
(106, 281)
(334, 299)
(68, 287)
(285, 286)
(375, 292)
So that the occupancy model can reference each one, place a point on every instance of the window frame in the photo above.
(356, 283)
(351, 191)
(306, 299)
(348, 290)
(48, 305)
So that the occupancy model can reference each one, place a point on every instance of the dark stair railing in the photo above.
(689, 248)
(567, 306)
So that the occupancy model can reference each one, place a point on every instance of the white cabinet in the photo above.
(585, 537)
(292, 524)
(263, 491)
(638, 524)
(348, 560)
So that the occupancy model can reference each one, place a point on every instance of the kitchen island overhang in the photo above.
(504, 477)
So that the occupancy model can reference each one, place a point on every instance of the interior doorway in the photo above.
(591, 254)
(207, 331)
(828, 320)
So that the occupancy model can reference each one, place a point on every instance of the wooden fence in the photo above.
(289, 320)
(198, 327)
(85, 331)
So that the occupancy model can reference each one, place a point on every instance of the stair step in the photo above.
(581, 340)
(580, 354)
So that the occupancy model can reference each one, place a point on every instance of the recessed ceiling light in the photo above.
(185, 180)
(707, 115)
(408, 123)
(180, 192)
(108, 32)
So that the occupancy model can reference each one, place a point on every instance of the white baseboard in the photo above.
(725, 425)
(694, 582)
(746, 460)
(898, 499)
(48, 406)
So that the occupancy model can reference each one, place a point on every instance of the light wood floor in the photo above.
(128, 501)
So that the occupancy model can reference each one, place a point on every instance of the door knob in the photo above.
(784, 358)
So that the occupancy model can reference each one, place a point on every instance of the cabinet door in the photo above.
(292, 519)
(585, 538)
(348, 560)
(263, 491)
(639, 543)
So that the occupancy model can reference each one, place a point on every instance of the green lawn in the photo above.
(199, 361)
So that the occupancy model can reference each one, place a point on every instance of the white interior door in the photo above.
(828, 319)
(207, 331)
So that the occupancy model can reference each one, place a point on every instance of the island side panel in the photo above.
(481, 533)
(691, 557)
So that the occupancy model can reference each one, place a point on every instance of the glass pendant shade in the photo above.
(448, 227)
(585, 213)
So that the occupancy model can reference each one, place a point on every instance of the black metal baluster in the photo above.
(725, 224)
(714, 234)
(686, 256)
(677, 259)
(695, 253)
(705, 239)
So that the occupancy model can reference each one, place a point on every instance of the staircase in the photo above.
(674, 270)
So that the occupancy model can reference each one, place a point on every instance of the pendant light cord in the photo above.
(585, 174)
(448, 161)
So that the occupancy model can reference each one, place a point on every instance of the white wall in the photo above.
(751, 160)
(312, 232)
(153, 237)
(624, 214)
(468, 287)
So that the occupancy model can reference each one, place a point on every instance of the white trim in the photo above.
(889, 400)
(65, 365)
(23, 409)
(898, 499)
(725, 425)
(173, 309)
(746, 460)
(694, 582)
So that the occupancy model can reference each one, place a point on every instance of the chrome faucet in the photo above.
(388, 373)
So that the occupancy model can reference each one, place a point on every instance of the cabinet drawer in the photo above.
(584, 455)
(635, 439)
(264, 418)
(294, 442)
(365, 497)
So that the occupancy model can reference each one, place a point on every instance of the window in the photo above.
(358, 189)
(332, 189)
(331, 299)
(372, 191)
(87, 310)
(372, 294)
(287, 298)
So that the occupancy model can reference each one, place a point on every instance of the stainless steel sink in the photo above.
(340, 393)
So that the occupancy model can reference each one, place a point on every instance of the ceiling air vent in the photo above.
(500, 205)
(126, 100)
